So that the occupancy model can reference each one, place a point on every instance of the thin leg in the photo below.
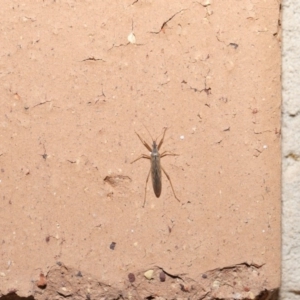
(168, 153)
(162, 139)
(141, 156)
(170, 183)
(144, 143)
(146, 187)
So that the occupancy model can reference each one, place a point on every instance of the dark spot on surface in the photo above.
(47, 239)
(207, 91)
(162, 276)
(112, 246)
(204, 276)
(131, 277)
(234, 45)
(79, 274)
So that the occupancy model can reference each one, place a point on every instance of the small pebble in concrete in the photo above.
(79, 274)
(42, 283)
(149, 274)
(112, 246)
(162, 276)
(131, 277)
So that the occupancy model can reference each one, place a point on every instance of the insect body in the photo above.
(156, 167)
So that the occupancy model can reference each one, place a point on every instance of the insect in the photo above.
(156, 167)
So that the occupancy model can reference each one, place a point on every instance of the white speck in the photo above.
(0, 180)
(206, 3)
(237, 296)
(265, 146)
(131, 38)
(182, 137)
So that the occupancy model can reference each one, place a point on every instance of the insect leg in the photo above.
(170, 183)
(141, 156)
(162, 139)
(146, 187)
(168, 153)
(144, 143)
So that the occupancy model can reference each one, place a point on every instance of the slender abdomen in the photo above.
(156, 174)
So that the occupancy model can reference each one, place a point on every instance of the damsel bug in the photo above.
(156, 167)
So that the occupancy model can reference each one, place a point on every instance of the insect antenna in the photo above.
(149, 133)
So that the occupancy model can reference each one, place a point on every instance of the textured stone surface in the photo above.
(291, 151)
(78, 78)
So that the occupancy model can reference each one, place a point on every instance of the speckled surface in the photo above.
(78, 79)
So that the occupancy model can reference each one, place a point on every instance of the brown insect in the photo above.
(156, 167)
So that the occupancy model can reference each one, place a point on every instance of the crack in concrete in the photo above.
(166, 22)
